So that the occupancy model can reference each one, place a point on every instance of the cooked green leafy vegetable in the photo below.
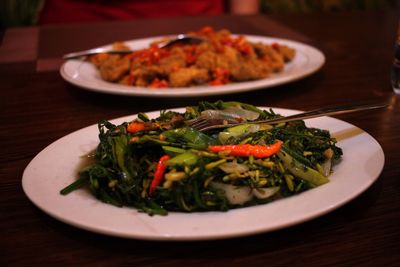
(162, 164)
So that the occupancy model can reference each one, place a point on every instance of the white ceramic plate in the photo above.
(307, 61)
(56, 166)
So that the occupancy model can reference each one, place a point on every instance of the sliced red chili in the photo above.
(158, 174)
(245, 150)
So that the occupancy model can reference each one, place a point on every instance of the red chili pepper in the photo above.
(218, 46)
(241, 44)
(221, 76)
(207, 29)
(245, 49)
(158, 174)
(148, 56)
(156, 83)
(227, 40)
(275, 46)
(135, 127)
(131, 79)
(245, 150)
(215, 82)
(221, 73)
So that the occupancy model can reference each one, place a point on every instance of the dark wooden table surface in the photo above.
(39, 107)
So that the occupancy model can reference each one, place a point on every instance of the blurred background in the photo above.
(39, 12)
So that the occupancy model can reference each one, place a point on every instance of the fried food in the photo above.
(221, 58)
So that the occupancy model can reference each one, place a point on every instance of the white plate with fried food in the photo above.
(133, 81)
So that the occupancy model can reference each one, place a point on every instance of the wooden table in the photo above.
(38, 107)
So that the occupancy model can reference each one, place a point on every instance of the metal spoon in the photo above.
(181, 38)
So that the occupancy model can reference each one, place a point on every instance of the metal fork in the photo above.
(202, 124)
(181, 38)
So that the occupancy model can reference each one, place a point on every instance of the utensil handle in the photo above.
(328, 111)
(94, 52)
(310, 114)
